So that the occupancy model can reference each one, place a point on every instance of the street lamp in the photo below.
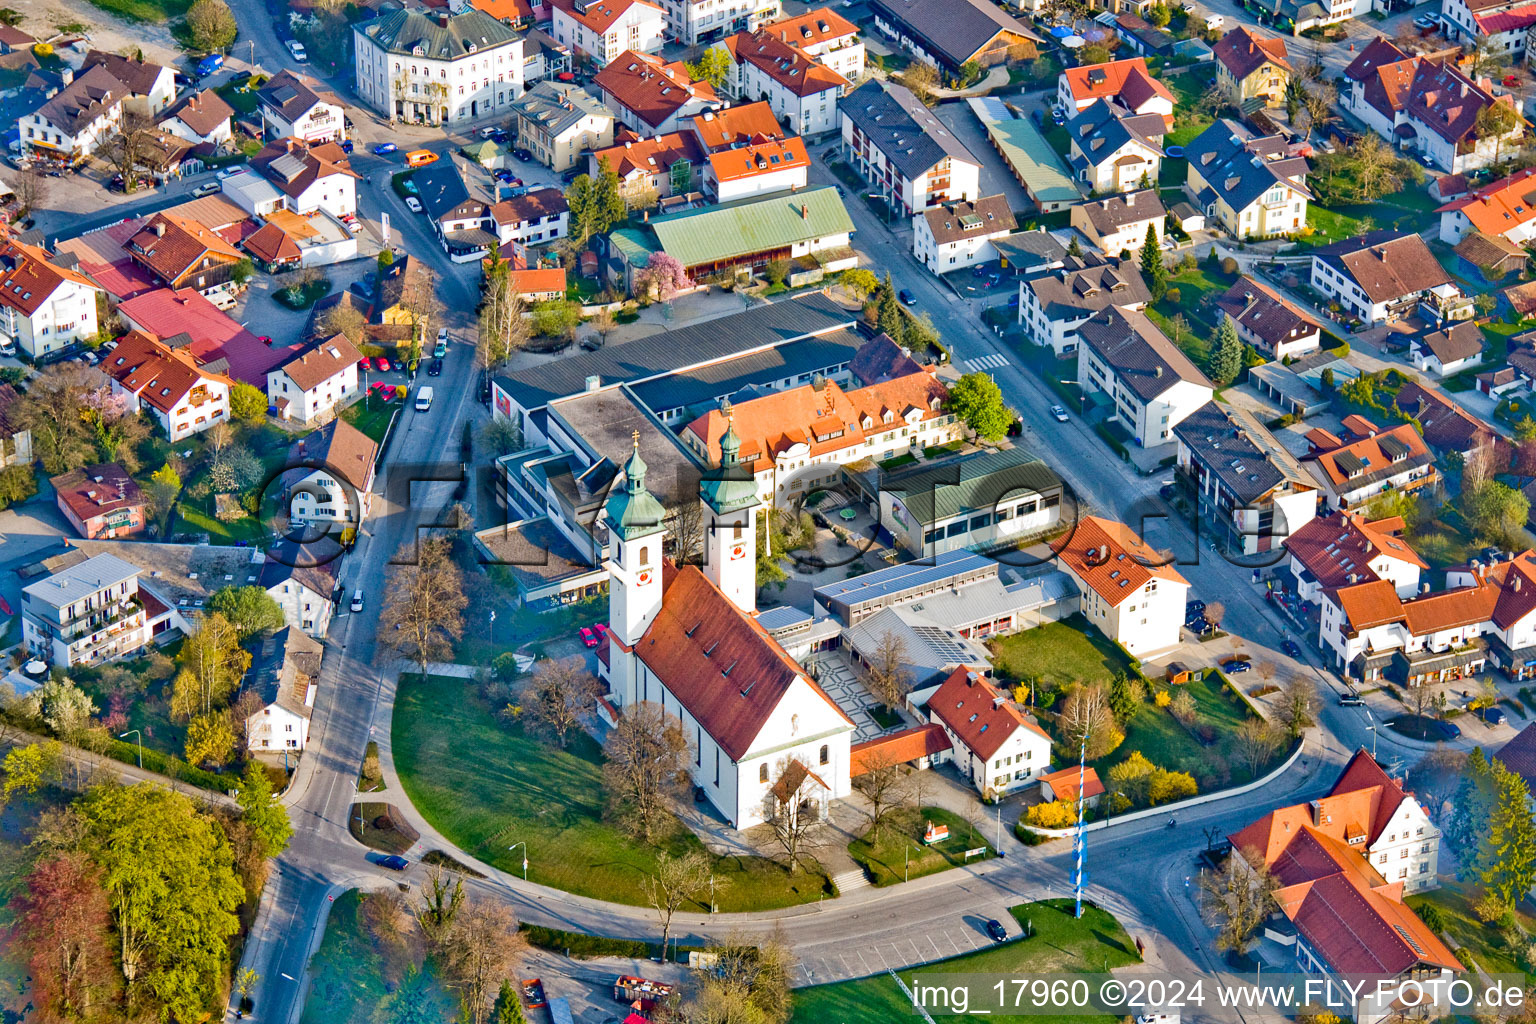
(524, 845)
(1372, 727)
(123, 736)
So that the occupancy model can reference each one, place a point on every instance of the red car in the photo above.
(588, 636)
(387, 394)
(601, 627)
(264, 340)
(1511, 81)
(365, 363)
(383, 365)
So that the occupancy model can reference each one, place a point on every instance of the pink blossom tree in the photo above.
(665, 274)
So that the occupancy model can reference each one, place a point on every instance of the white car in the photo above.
(1059, 413)
(297, 49)
(486, 133)
(227, 172)
(413, 204)
(357, 601)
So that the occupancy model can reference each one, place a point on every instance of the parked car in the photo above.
(357, 600)
(413, 204)
(297, 49)
(1351, 700)
(1168, 491)
(1192, 608)
(1291, 649)
(381, 148)
(906, 297)
(209, 64)
(1493, 715)
(1426, 21)
(347, 146)
(486, 133)
(394, 862)
(588, 636)
(365, 363)
(996, 930)
(208, 188)
(1232, 666)
(440, 349)
(1060, 414)
(383, 365)
(521, 153)
(1058, 117)
(435, 368)
(592, 344)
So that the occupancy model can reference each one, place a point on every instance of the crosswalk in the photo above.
(988, 362)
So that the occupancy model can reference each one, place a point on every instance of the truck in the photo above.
(424, 399)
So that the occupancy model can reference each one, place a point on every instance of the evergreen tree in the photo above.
(888, 312)
(508, 1009)
(1226, 354)
(1074, 248)
(607, 204)
(1472, 807)
(1152, 265)
(1507, 854)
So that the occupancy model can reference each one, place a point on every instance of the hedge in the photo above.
(587, 947)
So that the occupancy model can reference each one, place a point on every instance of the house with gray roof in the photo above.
(457, 200)
(1252, 185)
(1118, 224)
(949, 33)
(1029, 252)
(299, 106)
(1251, 490)
(954, 236)
(85, 614)
(903, 150)
(284, 675)
(1054, 303)
(74, 122)
(436, 67)
(1139, 374)
(1113, 148)
(559, 122)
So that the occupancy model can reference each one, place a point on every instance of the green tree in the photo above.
(1471, 808)
(17, 484)
(776, 271)
(713, 66)
(978, 401)
(509, 1008)
(1152, 266)
(607, 207)
(242, 271)
(212, 663)
(860, 282)
(210, 739)
(1126, 696)
(1492, 831)
(170, 880)
(1496, 511)
(10, 17)
(247, 403)
(1496, 121)
(1160, 16)
(60, 705)
(1525, 430)
(386, 259)
(580, 196)
(556, 318)
(969, 72)
(211, 25)
(1226, 354)
(249, 609)
(28, 769)
(267, 817)
(1132, 777)
(1075, 248)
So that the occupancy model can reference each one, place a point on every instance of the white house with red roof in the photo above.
(1387, 460)
(765, 738)
(1127, 82)
(603, 29)
(43, 307)
(995, 745)
(1343, 864)
(653, 96)
(802, 91)
(217, 342)
(316, 381)
(827, 36)
(1501, 209)
(1132, 593)
(773, 165)
(1326, 552)
(168, 383)
(700, 22)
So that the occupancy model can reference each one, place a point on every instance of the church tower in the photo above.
(635, 535)
(729, 493)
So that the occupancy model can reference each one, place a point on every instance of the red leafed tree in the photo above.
(665, 274)
(62, 929)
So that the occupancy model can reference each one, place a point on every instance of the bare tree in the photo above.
(887, 677)
(647, 765)
(1215, 611)
(128, 146)
(885, 784)
(797, 813)
(344, 319)
(603, 322)
(440, 903)
(418, 300)
(1298, 701)
(685, 524)
(1437, 775)
(1086, 712)
(31, 189)
(750, 982)
(560, 692)
(481, 946)
(676, 882)
(1235, 901)
(503, 327)
(1320, 100)
(423, 611)
(1254, 745)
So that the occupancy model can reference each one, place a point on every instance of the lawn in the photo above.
(348, 982)
(900, 855)
(196, 515)
(1198, 291)
(395, 836)
(371, 416)
(1329, 226)
(1059, 653)
(486, 786)
(1167, 744)
(1409, 209)
(1498, 333)
(242, 97)
(1468, 935)
(1060, 943)
(154, 11)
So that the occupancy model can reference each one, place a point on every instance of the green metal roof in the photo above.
(1034, 161)
(939, 491)
(634, 244)
(482, 152)
(633, 511)
(731, 486)
(718, 233)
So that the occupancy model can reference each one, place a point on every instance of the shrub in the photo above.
(1172, 296)
(1057, 814)
(1167, 786)
(1228, 265)
(1162, 699)
(1027, 837)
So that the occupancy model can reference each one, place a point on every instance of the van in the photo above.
(209, 64)
(424, 399)
(420, 158)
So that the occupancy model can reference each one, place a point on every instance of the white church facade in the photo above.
(765, 736)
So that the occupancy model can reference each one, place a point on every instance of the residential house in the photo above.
(295, 107)
(1151, 384)
(330, 476)
(398, 299)
(1113, 149)
(653, 96)
(87, 614)
(1504, 209)
(825, 35)
(757, 169)
(1054, 303)
(317, 382)
(1252, 67)
(1119, 224)
(284, 677)
(311, 176)
(71, 125)
(559, 123)
(976, 502)
(903, 151)
(998, 747)
(201, 118)
(602, 29)
(44, 307)
(802, 91)
(700, 22)
(457, 200)
(1447, 426)
(1461, 18)
(1441, 110)
(437, 67)
(952, 33)
(1141, 37)
(100, 501)
(1029, 252)
(1491, 257)
(539, 284)
(1395, 460)
(1248, 184)
(273, 249)
(306, 590)
(1267, 320)
(535, 218)
(151, 87)
(1249, 487)
(1379, 79)
(1448, 349)
(1380, 276)
(15, 439)
(1345, 547)
(955, 235)
(179, 252)
(162, 155)
(796, 441)
(1066, 784)
(1130, 592)
(184, 397)
(1350, 857)
(1125, 82)
(544, 56)
(653, 169)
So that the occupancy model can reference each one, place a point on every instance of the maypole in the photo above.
(1080, 837)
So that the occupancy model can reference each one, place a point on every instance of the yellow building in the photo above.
(1252, 67)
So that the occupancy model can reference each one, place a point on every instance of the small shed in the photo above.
(1062, 785)
(1179, 672)
(1188, 218)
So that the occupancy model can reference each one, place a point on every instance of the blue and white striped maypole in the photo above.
(1080, 838)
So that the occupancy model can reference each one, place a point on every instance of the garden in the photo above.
(486, 784)
(303, 289)
(899, 853)
(1057, 942)
(224, 480)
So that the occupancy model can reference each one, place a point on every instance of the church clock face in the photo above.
(737, 551)
(645, 577)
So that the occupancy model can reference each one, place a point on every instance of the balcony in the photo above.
(98, 619)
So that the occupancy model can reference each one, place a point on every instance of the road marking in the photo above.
(936, 950)
(986, 362)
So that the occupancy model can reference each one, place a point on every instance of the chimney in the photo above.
(805, 212)
(442, 19)
(160, 229)
(1423, 588)
(1157, 371)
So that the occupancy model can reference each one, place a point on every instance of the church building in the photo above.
(686, 638)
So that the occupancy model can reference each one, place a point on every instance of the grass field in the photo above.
(900, 854)
(348, 978)
(486, 786)
(1466, 933)
(154, 11)
(371, 416)
(1167, 744)
(1059, 653)
(1198, 290)
(1061, 943)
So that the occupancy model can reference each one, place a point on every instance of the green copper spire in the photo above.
(730, 486)
(633, 512)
